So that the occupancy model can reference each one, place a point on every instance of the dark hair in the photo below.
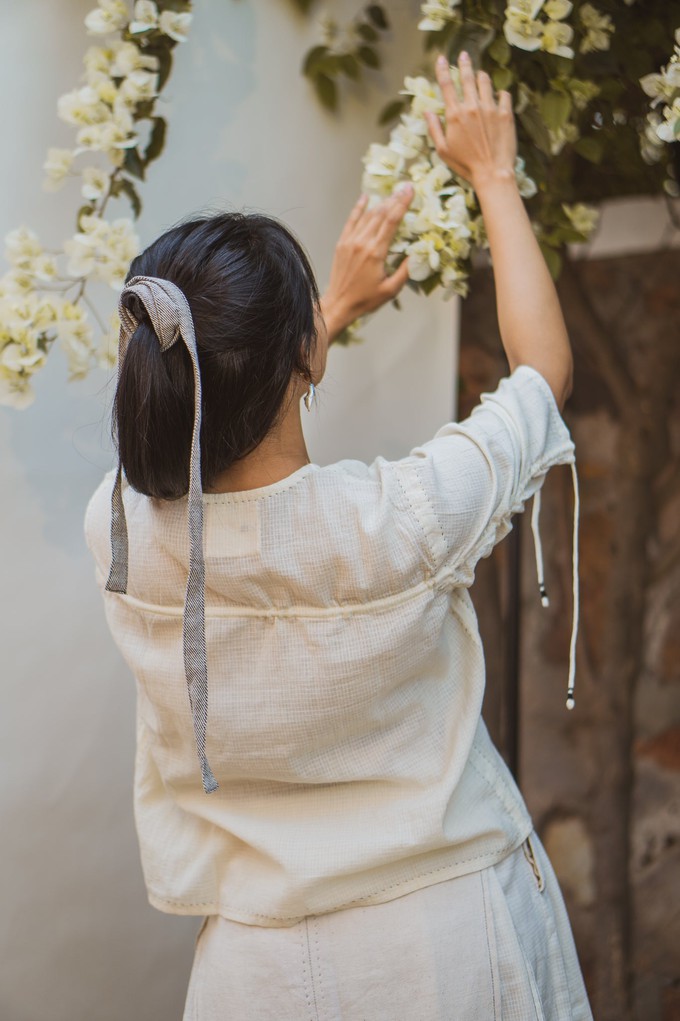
(253, 297)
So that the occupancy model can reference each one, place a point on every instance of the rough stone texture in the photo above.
(602, 783)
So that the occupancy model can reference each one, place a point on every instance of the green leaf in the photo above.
(554, 108)
(392, 110)
(128, 187)
(349, 65)
(502, 77)
(367, 32)
(553, 260)
(532, 123)
(500, 51)
(163, 52)
(156, 141)
(313, 59)
(133, 163)
(368, 56)
(376, 13)
(591, 147)
(327, 91)
(428, 286)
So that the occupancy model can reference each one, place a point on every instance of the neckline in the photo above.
(262, 492)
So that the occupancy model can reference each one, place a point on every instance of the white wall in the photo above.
(78, 941)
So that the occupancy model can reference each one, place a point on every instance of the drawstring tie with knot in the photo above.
(535, 511)
(170, 315)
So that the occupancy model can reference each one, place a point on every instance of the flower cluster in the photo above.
(437, 14)
(121, 80)
(597, 29)
(525, 29)
(662, 128)
(444, 220)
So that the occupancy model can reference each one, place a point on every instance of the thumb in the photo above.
(394, 283)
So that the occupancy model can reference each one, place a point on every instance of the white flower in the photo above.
(423, 257)
(667, 130)
(556, 35)
(109, 16)
(95, 183)
(139, 86)
(437, 14)
(145, 17)
(598, 28)
(382, 161)
(97, 60)
(405, 142)
(22, 246)
(127, 57)
(82, 106)
(20, 357)
(57, 166)
(107, 353)
(521, 30)
(426, 96)
(175, 25)
(44, 267)
(583, 218)
(75, 337)
(15, 392)
(557, 9)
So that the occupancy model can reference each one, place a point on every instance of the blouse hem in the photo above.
(417, 882)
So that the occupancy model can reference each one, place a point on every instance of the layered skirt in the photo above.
(494, 945)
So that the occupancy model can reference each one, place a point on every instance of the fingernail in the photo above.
(442, 61)
(403, 188)
(464, 55)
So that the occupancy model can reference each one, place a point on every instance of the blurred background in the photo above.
(78, 939)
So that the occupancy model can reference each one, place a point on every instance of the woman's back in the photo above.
(346, 672)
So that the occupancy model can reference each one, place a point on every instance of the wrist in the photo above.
(494, 178)
(333, 318)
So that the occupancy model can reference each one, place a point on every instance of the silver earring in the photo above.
(309, 396)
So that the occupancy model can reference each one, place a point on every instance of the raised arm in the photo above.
(478, 141)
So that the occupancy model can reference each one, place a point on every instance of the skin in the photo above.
(478, 140)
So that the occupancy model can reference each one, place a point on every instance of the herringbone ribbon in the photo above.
(170, 315)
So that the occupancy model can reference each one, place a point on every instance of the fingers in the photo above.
(393, 212)
(394, 283)
(436, 133)
(485, 89)
(505, 102)
(467, 79)
(354, 217)
(445, 83)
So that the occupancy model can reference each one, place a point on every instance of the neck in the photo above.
(282, 452)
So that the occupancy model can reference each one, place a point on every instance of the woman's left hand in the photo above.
(358, 282)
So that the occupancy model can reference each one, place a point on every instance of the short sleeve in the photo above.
(464, 484)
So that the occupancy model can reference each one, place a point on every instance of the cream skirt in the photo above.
(494, 945)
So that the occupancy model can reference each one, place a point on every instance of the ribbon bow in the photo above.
(171, 318)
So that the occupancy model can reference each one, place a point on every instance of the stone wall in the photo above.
(603, 782)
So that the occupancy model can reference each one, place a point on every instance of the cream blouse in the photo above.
(345, 668)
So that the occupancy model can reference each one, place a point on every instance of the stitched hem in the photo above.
(459, 867)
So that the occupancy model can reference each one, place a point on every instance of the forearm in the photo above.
(530, 318)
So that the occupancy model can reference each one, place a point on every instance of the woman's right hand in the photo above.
(478, 140)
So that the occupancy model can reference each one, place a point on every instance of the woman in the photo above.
(313, 775)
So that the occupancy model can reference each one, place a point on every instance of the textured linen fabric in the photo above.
(492, 945)
(345, 669)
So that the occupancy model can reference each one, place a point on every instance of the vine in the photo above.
(580, 81)
(44, 297)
